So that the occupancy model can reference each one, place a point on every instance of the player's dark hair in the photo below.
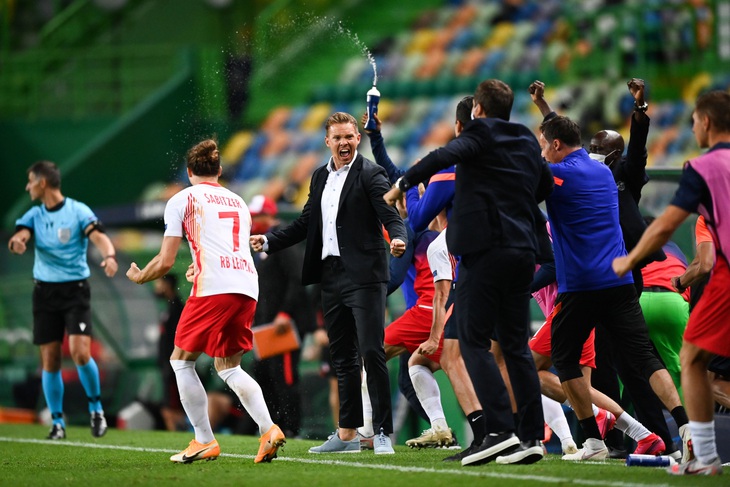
(716, 106)
(48, 171)
(204, 158)
(495, 97)
(463, 109)
(563, 129)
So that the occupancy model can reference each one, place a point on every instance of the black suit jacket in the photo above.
(500, 179)
(361, 211)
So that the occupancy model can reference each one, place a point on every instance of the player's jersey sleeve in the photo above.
(84, 215)
(173, 216)
(28, 219)
(439, 259)
(702, 233)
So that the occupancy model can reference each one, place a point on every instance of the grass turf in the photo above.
(123, 458)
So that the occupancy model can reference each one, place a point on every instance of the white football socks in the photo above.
(193, 398)
(427, 390)
(250, 394)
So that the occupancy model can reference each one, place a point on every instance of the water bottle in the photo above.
(635, 460)
(373, 99)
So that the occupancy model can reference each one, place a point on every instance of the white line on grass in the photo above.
(466, 472)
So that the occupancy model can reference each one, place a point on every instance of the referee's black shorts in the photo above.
(60, 307)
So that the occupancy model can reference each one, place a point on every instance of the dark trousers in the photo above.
(622, 328)
(354, 319)
(611, 363)
(493, 299)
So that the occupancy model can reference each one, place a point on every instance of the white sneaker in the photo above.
(382, 444)
(695, 467)
(593, 449)
(687, 453)
(569, 446)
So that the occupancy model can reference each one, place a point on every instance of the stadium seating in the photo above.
(425, 70)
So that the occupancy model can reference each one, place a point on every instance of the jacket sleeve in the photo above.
(462, 149)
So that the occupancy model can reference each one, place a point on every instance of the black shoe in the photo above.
(528, 452)
(494, 445)
(463, 453)
(57, 432)
(617, 452)
(98, 425)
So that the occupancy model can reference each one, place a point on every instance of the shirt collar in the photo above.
(346, 167)
(720, 145)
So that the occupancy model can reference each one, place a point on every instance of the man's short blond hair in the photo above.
(338, 118)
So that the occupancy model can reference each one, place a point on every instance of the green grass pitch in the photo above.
(141, 458)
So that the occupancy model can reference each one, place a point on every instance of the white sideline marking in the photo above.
(467, 471)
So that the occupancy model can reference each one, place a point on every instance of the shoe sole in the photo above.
(486, 456)
(600, 455)
(188, 462)
(334, 451)
(440, 444)
(270, 455)
(98, 435)
(531, 455)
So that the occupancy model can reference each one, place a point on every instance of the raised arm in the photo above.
(636, 154)
(537, 93)
(654, 237)
(377, 145)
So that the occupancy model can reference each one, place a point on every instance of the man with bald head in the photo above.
(607, 146)
(629, 173)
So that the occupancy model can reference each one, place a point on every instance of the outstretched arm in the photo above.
(654, 237)
(700, 266)
(17, 243)
(159, 265)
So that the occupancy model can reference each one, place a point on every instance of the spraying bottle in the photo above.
(372, 108)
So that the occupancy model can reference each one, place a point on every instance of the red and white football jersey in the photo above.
(217, 225)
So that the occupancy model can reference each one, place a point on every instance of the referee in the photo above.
(62, 228)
